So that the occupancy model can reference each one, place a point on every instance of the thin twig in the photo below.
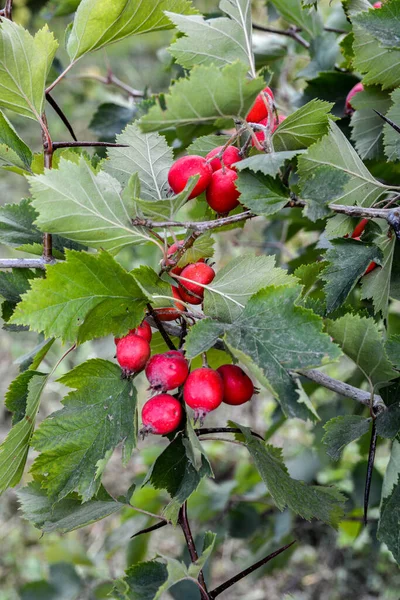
(344, 389)
(48, 163)
(361, 211)
(371, 460)
(61, 114)
(8, 9)
(77, 144)
(111, 79)
(150, 529)
(211, 430)
(60, 77)
(24, 263)
(161, 328)
(185, 526)
(221, 588)
(291, 32)
(198, 226)
(388, 121)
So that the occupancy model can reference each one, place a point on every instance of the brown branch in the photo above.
(291, 32)
(185, 526)
(360, 211)
(150, 529)
(77, 144)
(61, 114)
(111, 79)
(48, 163)
(210, 430)
(221, 588)
(24, 263)
(8, 9)
(371, 460)
(160, 327)
(197, 226)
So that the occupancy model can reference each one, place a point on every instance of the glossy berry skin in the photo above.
(167, 371)
(185, 167)
(198, 272)
(230, 156)
(203, 391)
(238, 387)
(133, 352)
(168, 313)
(222, 194)
(144, 331)
(259, 110)
(358, 229)
(161, 414)
(370, 268)
(354, 90)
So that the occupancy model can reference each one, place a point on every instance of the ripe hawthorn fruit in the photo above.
(260, 135)
(144, 331)
(230, 156)
(185, 167)
(198, 272)
(359, 228)
(222, 194)
(167, 371)
(259, 109)
(133, 352)
(161, 414)
(203, 391)
(354, 90)
(377, 5)
(238, 387)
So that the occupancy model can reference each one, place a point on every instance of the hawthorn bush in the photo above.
(290, 122)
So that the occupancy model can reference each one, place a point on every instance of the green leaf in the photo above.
(382, 24)
(324, 51)
(148, 155)
(389, 522)
(110, 119)
(237, 282)
(228, 95)
(275, 336)
(101, 22)
(68, 514)
(17, 395)
(13, 151)
(379, 65)
(267, 164)
(14, 449)
(335, 151)
(348, 260)
(342, 430)
(85, 207)
(86, 296)
(203, 247)
(33, 358)
(392, 137)
(367, 126)
(16, 224)
(219, 41)
(361, 341)
(60, 8)
(293, 12)
(143, 581)
(204, 144)
(262, 194)
(157, 291)
(393, 350)
(388, 421)
(377, 284)
(12, 285)
(320, 187)
(76, 442)
(308, 501)
(202, 336)
(25, 62)
(303, 127)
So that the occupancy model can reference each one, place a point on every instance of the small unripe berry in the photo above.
(167, 371)
(198, 272)
(230, 156)
(238, 387)
(203, 391)
(259, 109)
(222, 194)
(186, 167)
(133, 352)
(161, 414)
(354, 90)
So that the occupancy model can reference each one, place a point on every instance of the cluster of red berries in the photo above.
(217, 174)
(204, 389)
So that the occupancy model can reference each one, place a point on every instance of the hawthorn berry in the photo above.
(222, 194)
(358, 230)
(377, 5)
(161, 415)
(354, 90)
(260, 135)
(144, 331)
(259, 109)
(167, 371)
(168, 313)
(238, 387)
(185, 167)
(203, 391)
(230, 156)
(198, 272)
(133, 352)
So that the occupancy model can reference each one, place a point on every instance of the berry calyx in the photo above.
(238, 387)
(144, 331)
(259, 109)
(203, 391)
(161, 415)
(354, 90)
(167, 371)
(186, 167)
(222, 194)
(230, 156)
(133, 352)
(197, 273)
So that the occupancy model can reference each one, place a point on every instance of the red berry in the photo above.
(377, 5)
(198, 272)
(259, 109)
(230, 156)
(370, 268)
(133, 352)
(222, 194)
(144, 331)
(168, 313)
(238, 387)
(170, 252)
(161, 414)
(354, 90)
(359, 228)
(277, 122)
(167, 371)
(203, 391)
(185, 167)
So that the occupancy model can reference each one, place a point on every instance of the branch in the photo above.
(150, 529)
(360, 211)
(388, 121)
(8, 9)
(76, 144)
(59, 78)
(344, 389)
(62, 116)
(221, 588)
(111, 79)
(160, 327)
(197, 226)
(291, 32)
(209, 430)
(48, 151)
(24, 263)
(371, 460)
(184, 524)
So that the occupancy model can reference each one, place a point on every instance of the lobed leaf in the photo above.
(343, 430)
